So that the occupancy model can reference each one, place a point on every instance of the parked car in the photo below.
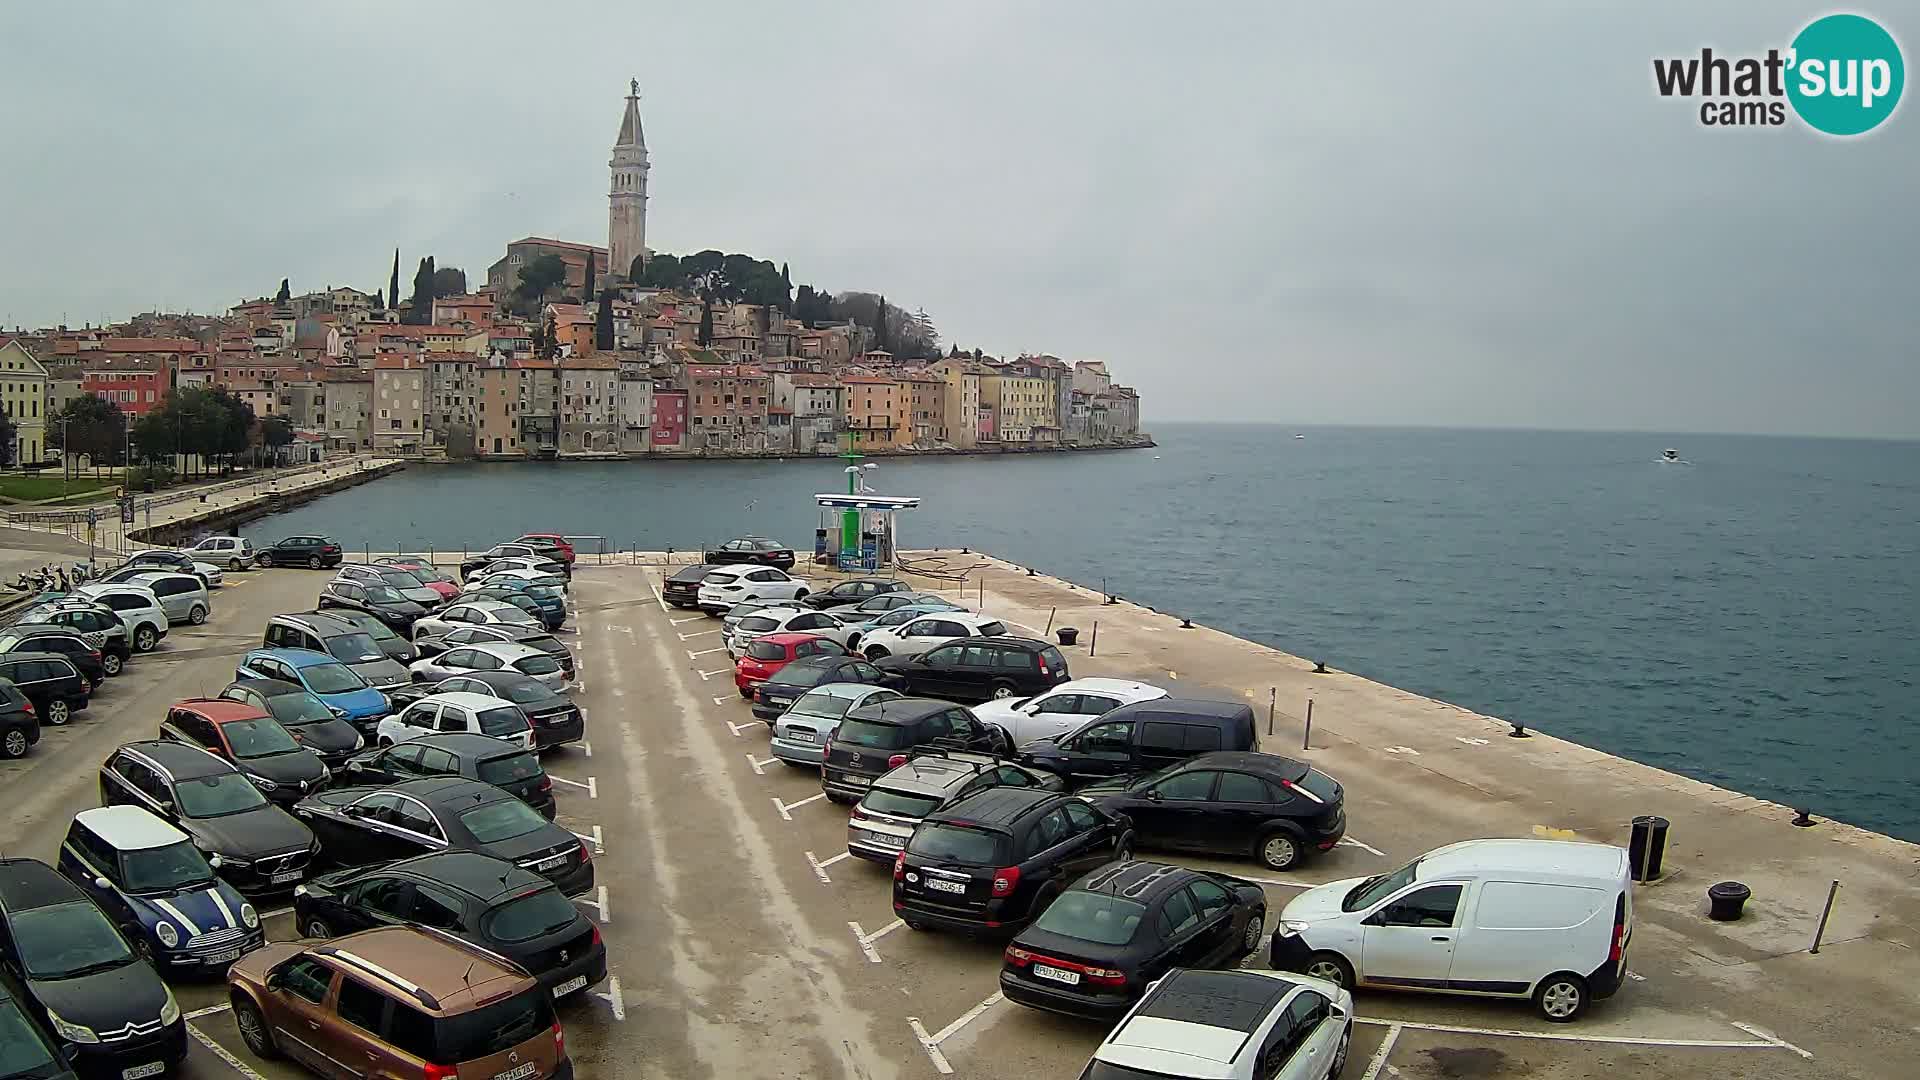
(923, 633)
(784, 687)
(493, 656)
(1145, 736)
(325, 632)
(149, 879)
(397, 647)
(183, 597)
(478, 714)
(492, 554)
(752, 549)
(763, 657)
(547, 605)
(473, 612)
(379, 601)
(738, 613)
(490, 902)
(511, 633)
(501, 762)
(80, 977)
(32, 1051)
(425, 1004)
(208, 575)
(862, 618)
(19, 722)
(312, 722)
(99, 625)
(264, 752)
(1234, 1025)
(993, 861)
(981, 668)
(262, 848)
(425, 569)
(50, 683)
(930, 779)
(138, 606)
(1097, 946)
(536, 569)
(851, 592)
(1549, 920)
(165, 559)
(1272, 808)
(233, 552)
(414, 817)
(728, 585)
(336, 684)
(880, 734)
(312, 552)
(552, 545)
(23, 638)
(1066, 707)
(770, 621)
(401, 581)
(556, 720)
(682, 587)
(802, 732)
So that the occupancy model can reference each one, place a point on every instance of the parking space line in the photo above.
(931, 1043)
(759, 767)
(1762, 1042)
(592, 786)
(705, 675)
(223, 1053)
(719, 701)
(1760, 1033)
(211, 1010)
(785, 808)
(1379, 1057)
(749, 725)
(691, 655)
(1351, 842)
(599, 845)
(820, 866)
(585, 746)
(866, 940)
(612, 997)
(699, 633)
(276, 912)
(598, 904)
(680, 622)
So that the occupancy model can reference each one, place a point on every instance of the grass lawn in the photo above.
(32, 488)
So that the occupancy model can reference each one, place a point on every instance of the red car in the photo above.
(552, 545)
(766, 655)
(421, 567)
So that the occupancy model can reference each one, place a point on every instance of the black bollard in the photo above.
(1725, 901)
(1804, 819)
(1519, 731)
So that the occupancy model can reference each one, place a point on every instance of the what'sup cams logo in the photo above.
(1842, 75)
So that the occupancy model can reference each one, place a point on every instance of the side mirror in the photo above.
(1378, 918)
(354, 811)
(1153, 795)
(101, 882)
(214, 861)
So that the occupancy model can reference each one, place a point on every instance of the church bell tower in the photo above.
(627, 195)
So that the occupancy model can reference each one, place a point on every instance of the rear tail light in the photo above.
(1005, 879)
(30, 709)
(546, 783)
(585, 855)
(441, 1072)
(1106, 976)
(899, 866)
(559, 1042)
(1018, 957)
(896, 761)
(596, 934)
(1618, 950)
(858, 814)
(95, 653)
(825, 752)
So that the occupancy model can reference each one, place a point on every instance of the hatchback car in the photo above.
(493, 656)
(157, 887)
(31, 1050)
(397, 647)
(556, 720)
(763, 657)
(1097, 946)
(752, 549)
(425, 569)
(312, 552)
(471, 611)
(233, 552)
(981, 669)
(477, 714)
(859, 623)
(879, 735)
(919, 635)
(379, 601)
(99, 625)
(311, 722)
(19, 722)
(1269, 807)
(492, 555)
(422, 1004)
(803, 730)
(489, 759)
(80, 977)
(535, 570)
(1064, 708)
(35, 639)
(344, 640)
(547, 605)
(326, 678)
(682, 587)
(552, 545)
(262, 848)
(848, 593)
(138, 606)
(488, 901)
(768, 621)
(265, 753)
(784, 687)
(1231, 1025)
(931, 778)
(404, 582)
(512, 633)
(728, 585)
(993, 861)
(49, 682)
(166, 559)
(183, 597)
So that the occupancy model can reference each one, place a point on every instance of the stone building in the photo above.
(399, 404)
(627, 190)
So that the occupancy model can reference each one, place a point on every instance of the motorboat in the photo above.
(1669, 455)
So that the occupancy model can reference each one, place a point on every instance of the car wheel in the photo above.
(1002, 691)
(801, 595)
(111, 662)
(1253, 935)
(253, 1028)
(746, 693)
(853, 642)
(58, 712)
(386, 740)
(145, 639)
(313, 562)
(1330, 966)
(1280, 850)
(197, 615)
(317, 928)
(1561, 998)
(1340, 1054)
(263, 559)
(234, 564)
(14, 744)
(877, 652)
(1123, 851)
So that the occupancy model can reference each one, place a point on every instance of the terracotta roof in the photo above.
(807, 378)
(589, 363)
(393, 363)
(868, 380)
(583, 248)
(448, 357)
(136, 344)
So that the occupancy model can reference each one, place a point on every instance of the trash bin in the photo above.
(1068, 634)
(1726, 899)
(1647, 847)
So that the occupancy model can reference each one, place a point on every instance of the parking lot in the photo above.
(743, 942)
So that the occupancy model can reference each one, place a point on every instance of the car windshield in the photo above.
(380, 594)
(527, 693)
(217, 796)
(537, 665)
(818, 702)
(767, 650)
(371, 626)
(354, 649)
(502, 820)
(509, 770)
(881, 801)
(898, 616)
(173, 868)
(1106, 1070)
(945, 841)
(1095, 917)
(505, 720)
(400, 579)
(493, 1029)
(1379, 887)
(758, 624)
(515, 616)
(544, 642)
(332, 679)
(64, 940)
(297, 709)
(22, 1050)
(870, 734)
(258, 738)
(534, 915)
(805, 674)
(543, 592)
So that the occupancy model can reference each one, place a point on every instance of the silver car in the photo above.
(233, 552)
(801, 734)
(183, 597)
(932, 779)
(494, 656)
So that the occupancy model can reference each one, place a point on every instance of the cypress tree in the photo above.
(284, 294)
(393, 286)
(706, 320)
(603, 322)
(586, 290)
(880, 325)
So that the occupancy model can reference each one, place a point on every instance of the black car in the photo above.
(19, 722)
(753, 549)
(554, 716)
(1143, 736)
(435, 644)
(849, 593)
(414, 817)
(312, 552)
(46, 638)
(82, 980)
(159, 559)
(101, 626)
(458, 753)
(396, 646)
(495, 554)
(682, 589)
(993, 861)
(982, 668)
(49, 681)
(488, 901)
(379, 601)
(881, 735)
(1272, 808)
(1097, 947)
(784, 687)
(311, 722)
(28, 1051)
(262, 848)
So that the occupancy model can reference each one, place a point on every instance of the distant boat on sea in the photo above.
(1671, 457)
(1297, 435)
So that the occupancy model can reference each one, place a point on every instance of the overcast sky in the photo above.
(1447, 215)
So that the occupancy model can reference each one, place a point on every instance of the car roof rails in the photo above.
(371, 968)
(942, 748)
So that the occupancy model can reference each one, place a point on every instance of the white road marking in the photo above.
(1765, 1042)
(719, 701)
(599, 845)
(691, 655)
(1469, 741)
(759, 767)
(678, 622)
(657, 598)
(617, 692)
(1380, 1056)
(618, 629)
(932, 1048)
(784, 808)
(1281, 884)
(699, 633)
(223, 1053)
(720, 671)
(211, 1010)
(866, 940)
(931, 1043)
(1406, 750)
(1761, 1033)
(820, 866)
(1637, 977)
(585, 746)
(612, 997)
(592, 786)
(598, 904)
(276, 913)
(1350, 841)
(748, 726)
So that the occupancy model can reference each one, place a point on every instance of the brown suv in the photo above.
(401, 1002)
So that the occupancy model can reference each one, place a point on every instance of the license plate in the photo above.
(226, 957)
(152, 1068)
(937, 885)
(885, 839)
(800, 736)
(548, 864)
(570, 986)
(1071, 978)
(515, 1074)
(290, 875)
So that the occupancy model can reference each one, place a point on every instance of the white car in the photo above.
(784, 621)
(232, 552)
(473, 613)
(1063, 708)
(533, 577)
(182, 596)
(477, 714)
(916, 637)
(493, 656)
(727, 585)
(538, 563)
(137, 605)
(1231, 1025)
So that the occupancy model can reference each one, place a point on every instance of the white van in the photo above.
(1545, 919)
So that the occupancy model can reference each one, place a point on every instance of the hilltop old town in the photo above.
(568, 350)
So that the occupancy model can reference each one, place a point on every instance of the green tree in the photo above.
(9, 439)
(551, 338)
(89, 425)
(603, 324)
(880, 336)
(539, 277)
(449, 281)
(285, 293)
(420, 305)
(393, 285)
(275, 432)
(586, 287)
(379, 299)
(706, 318)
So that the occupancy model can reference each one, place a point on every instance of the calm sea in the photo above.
(1747, 618)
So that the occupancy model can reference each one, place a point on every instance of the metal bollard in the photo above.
(1821, 930)
(1050, 614)
(1306, 740)
(1093, 646)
